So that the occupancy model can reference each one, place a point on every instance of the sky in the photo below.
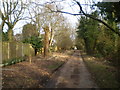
(68, 5)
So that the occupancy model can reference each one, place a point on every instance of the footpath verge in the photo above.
(103, 74)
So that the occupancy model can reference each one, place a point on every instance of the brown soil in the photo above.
(39, 74)
(34, 75)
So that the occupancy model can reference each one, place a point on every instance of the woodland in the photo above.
(47, 32)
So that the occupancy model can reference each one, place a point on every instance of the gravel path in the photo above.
(73, 74)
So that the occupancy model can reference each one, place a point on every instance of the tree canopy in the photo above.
(109, 10)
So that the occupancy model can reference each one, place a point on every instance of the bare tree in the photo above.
(12, 12)
(49, 22)
(63, 39)
(81, 12)
(46, 40)
(52, 20)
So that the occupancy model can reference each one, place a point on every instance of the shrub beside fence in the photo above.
(11, 50)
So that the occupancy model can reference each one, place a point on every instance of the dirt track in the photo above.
(73, 74)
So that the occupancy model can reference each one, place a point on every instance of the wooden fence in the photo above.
(11, 50)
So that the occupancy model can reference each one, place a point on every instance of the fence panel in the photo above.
(18, 50)
(12, 50)
(4, 51)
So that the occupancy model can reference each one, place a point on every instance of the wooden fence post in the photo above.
(16, 49)
(22, 51)
(0, 52)
(8, 50)
(30, 56)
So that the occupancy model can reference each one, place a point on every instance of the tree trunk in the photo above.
(35, 51)
(51, 37)
(46, 41)
(10, 34)
(118, 62)
(87, 46)
(2, 25)
(94, 46)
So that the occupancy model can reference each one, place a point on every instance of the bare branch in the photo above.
(88, 15)
(66, 12)
(12, 13)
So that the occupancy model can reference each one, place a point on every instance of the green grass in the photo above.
(104, 75)
(52, 66)
(55, 66)
(12, 61)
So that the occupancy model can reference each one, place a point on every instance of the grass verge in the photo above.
(104, 75)
(12, 61)
(55, 66)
